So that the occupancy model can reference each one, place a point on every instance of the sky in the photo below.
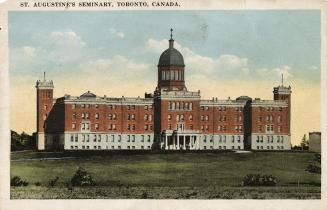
(226, 53)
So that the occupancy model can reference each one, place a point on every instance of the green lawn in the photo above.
(157, 174)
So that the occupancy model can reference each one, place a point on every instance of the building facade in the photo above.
(172, 118)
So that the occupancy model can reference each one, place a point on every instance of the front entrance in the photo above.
(175, 141)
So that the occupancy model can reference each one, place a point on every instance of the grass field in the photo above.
(166, 175)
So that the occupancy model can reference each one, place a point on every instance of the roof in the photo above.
(171, 56)
(88, 94)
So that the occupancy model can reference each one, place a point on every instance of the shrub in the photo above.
(17, 181)
(259, 180)
(313, 169)
(82, 178)
(53, 182)
(37, 183)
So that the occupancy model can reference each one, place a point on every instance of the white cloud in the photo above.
(275, 73)
(29, 51)
(225, 65)
(116, 33)
(66, 37)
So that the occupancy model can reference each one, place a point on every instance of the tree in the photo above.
(304, 143)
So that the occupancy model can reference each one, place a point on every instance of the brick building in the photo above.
(172, 118)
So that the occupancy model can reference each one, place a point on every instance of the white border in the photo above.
(6, 203)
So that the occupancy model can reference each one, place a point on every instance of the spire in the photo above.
(44, 76)
(282, 79)
(171, 40)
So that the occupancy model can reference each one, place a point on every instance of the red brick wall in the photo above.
(216, 118)
(263, 112)
(44, 103)
(173, 113)
(121, 120)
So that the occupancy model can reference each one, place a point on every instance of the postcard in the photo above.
(163, 104)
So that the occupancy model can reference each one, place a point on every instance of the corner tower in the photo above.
(44, 103)
(284, 93)
(171, 68)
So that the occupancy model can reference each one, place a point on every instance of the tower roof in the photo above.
(171, 56)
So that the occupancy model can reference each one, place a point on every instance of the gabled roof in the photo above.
(88, 94)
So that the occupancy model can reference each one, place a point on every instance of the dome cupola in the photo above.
(171, 56)
(171, 68)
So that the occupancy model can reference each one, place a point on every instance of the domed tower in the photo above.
(171, 68)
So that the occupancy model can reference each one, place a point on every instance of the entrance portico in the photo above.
(180, 140)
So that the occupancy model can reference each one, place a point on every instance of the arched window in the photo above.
(186, 106)
(177, 118)
(163, 76)
(180, 75)
(190, 117)
(173, 106)
(167, 75)
(176, 75)
(172, 75)
(177, 105)
(190, 107)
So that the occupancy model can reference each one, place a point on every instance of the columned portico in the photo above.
(180, 140)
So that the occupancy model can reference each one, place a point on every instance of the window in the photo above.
(142, 138)
(97, 106)
(279, 118)
(149, 138)
(74, 126)
(45, 107)
(73, 106)
(146, 127)
(133, 127)
(146, 117)
(83, 106)
(169, 117)
(87, 138)
(87, 105)
(72, 138)
(114, 116)
(146, 107)
(97, 126)
(76, 138)
(280, 109)
(97, 116)
(133, 116)
(99, 138)
(169, 126)
(83, 116)
(133, 138)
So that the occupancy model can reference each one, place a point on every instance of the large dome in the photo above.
(171, 56)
